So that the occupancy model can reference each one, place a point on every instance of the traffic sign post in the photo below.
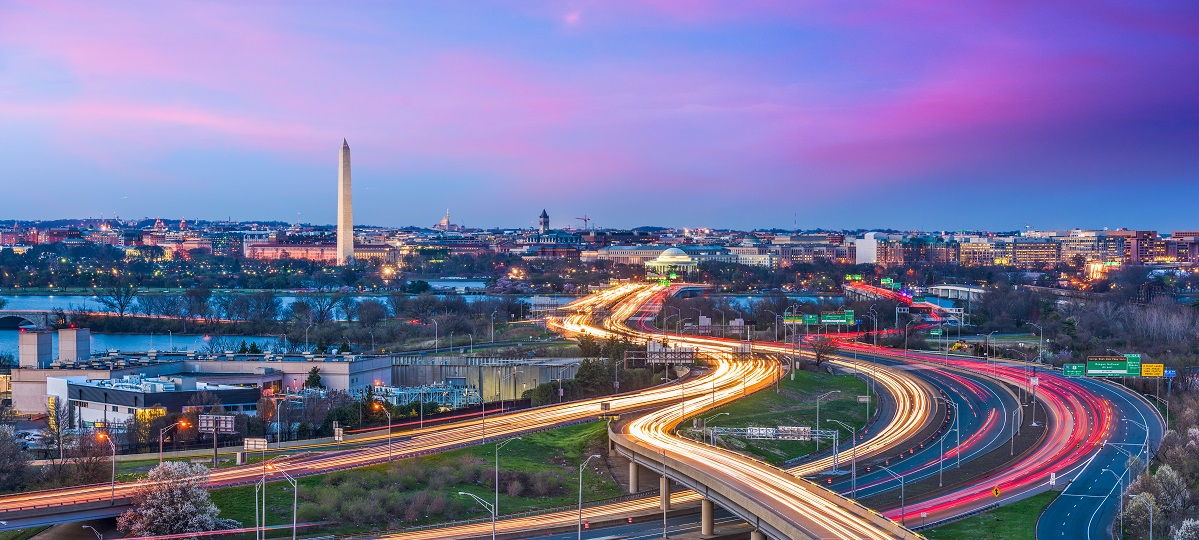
(996, 492)
(1153, 370)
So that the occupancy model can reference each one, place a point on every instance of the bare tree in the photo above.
(822, 347)
(118, 298)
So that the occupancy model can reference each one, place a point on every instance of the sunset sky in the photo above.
(901, 114)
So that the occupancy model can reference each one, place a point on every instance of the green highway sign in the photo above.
(853, 277)
(837, 317)
(887, 281)
(811, 319)
(1114, 366)
(934, 332)
(801, 319)
(1074, 370)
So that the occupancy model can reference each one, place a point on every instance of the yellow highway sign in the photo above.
(1153, 370)
(996, 492)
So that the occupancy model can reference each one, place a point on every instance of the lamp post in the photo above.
(1149, 505)
(905, 338)
(776, 322)
(162, 433)
(504, 378)
(903, 508)
(874, 318)
(94, 531)
(1163, 402)
(1040, 342)
(112, 497)
(853, 467)
(1119, 482)
(956, 425)
(711, 439)
(295, 497)
(486, 505)
(436, 337)
(496, 506)
(493, 326)
(581, 467)
(723, 322)
(822, 397)
(379, 407)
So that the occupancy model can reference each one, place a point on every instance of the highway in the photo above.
(1088, 503)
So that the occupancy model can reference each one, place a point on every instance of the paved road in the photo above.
(648, 529)
(1088, 505)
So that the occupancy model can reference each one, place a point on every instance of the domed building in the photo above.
(672, 263)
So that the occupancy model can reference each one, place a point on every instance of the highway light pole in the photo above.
(486, 505)
(853, 467)
(957, 424)
(493, 326)
(94, 531)
(379, 407)
(776, 323)
(295, 497)
(822, 397)
(581, 468)
(905, 338)
(1149, 505)
(712, 439)
(1120, 483)
(497, 479)
(162, 433)
(903, 508)
(112, 497)
(1040, 342)
(1163, 402)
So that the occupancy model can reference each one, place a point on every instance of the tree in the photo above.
(822, 347)
(173, 500)
(370, 312)
(13, 461)
(314, 378)
(118, 298)
(1187, 530)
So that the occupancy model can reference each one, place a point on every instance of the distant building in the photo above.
(101, 403)
(445, 225)
(543, 222)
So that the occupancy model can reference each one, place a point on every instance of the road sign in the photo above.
(1134, 364)
(1170, 374)
(1153, 370)
(794, 433)
(1074, 370)
(1034, 381)
(1112, 366)
(887, 281)
(863, 399)
(934, 332)
(255, 444)
(996, 492)
(221, 423)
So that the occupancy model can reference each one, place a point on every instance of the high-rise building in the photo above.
(345, 214)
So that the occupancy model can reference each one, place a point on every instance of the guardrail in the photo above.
(959, 517)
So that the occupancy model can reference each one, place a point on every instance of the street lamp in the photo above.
(97, 533)
(581, 467)
(105, 437)
(1149, 505)
(1163, 402)
(493, 326)
(295, 497)
(903, 508)
(1119, 482)
(162, 433)
(957, 424)
(711, 439)
(822, 397)
(497, 479)
(905, 338)
(379, 407)
(853, 467)
(776, 323)
(504, 378)
(436, 337)
(1040, 342)
(486, 505)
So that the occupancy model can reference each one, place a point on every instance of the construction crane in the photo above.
(585, 221)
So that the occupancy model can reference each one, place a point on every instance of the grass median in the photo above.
(1016, 521)
(794, 405)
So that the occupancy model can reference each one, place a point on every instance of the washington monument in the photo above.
(345, 213)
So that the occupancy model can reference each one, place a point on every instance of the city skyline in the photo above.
(684, 115)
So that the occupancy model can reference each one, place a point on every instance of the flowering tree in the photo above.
(174, 499)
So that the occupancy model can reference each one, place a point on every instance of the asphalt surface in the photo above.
(649, 529)
(1087, 506)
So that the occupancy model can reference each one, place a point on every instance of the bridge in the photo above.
(15, 318)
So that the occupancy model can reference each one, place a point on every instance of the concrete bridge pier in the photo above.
(757, 535)
(705, 517)
(634, 469)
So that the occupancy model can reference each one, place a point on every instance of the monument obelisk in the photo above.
(345, 212)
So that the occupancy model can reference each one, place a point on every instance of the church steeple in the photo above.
(544, 222)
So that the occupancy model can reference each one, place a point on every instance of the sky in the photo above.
(747, 114)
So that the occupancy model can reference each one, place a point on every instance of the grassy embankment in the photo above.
(541, 469)
(795, 405)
